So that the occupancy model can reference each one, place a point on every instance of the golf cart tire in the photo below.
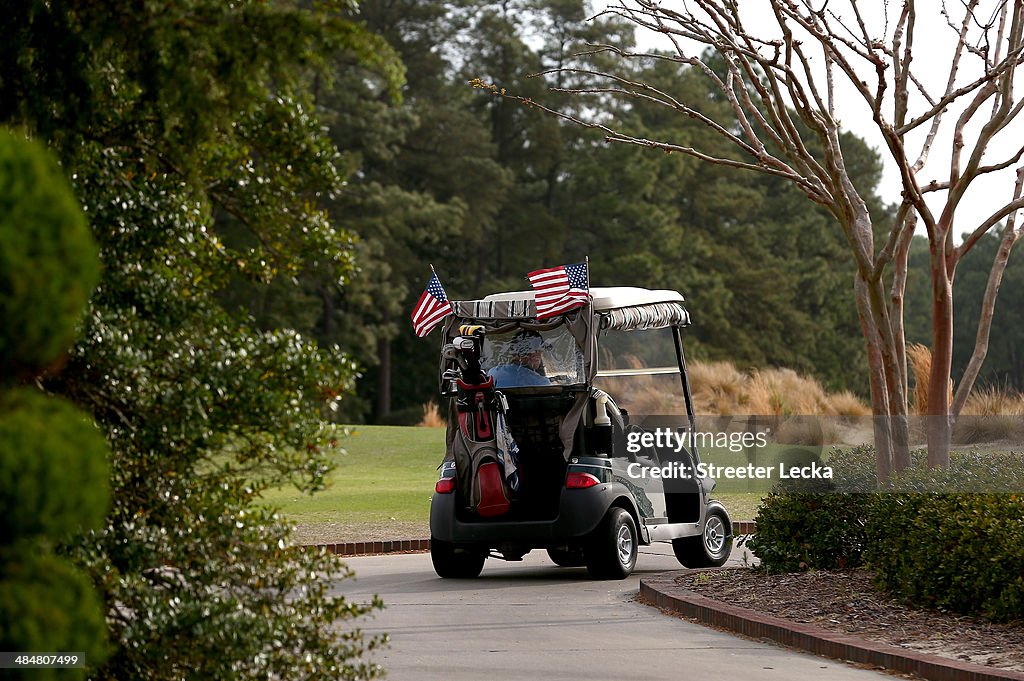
(712, 547)
(455, 563)
(568, 558)
(612, 550)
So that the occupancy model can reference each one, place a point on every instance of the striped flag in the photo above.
(560, 289)
(433, 306)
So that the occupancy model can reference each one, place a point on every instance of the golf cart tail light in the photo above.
(445, 486)
(580, 481)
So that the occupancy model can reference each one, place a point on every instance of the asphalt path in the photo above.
(534, 621)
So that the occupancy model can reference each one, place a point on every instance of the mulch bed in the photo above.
(847, 602)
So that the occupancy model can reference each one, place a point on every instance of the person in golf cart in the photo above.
(522, 362)
(544, 465)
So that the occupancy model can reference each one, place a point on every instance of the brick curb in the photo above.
(370, 548)
(662, 591)
(744, 527)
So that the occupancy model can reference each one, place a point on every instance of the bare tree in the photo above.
(783, 77)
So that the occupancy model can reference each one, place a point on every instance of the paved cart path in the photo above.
(534, 621)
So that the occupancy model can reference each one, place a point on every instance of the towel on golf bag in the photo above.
(508, 452)
(485, 471)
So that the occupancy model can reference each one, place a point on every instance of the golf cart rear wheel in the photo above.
(709, 549)
(611, 552)
(455, 562)
(567, 557)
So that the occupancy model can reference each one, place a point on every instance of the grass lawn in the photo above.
(387, 474)
(741, 505)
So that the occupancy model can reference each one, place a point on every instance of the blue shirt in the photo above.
(516, 375)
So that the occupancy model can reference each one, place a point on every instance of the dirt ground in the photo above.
(847, 602)
(332, 533)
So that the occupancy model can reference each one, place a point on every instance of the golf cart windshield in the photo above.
(520, 358)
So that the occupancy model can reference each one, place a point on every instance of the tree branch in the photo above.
(811, 188)
(995, 278)
(988, 224)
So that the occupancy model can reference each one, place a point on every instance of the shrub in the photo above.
(950, 538)
(958, 551)
(54, 474)
(810, 530)
(432, 417)
(990, 415)
(783, 392)
(48, 605)
(994, 401)
(804, 525)
(53, 468)
(845, 403)
(407, 416)
(48, 259)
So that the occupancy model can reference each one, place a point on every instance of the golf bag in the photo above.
(484, 452)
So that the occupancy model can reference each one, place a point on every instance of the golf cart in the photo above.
(542, 451)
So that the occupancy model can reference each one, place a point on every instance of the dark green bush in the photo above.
(46, 605)
(54, 473)
(963, 552)
(807, 530)
(805, 525)
(48, 259)
(950, 538)
(968, 472)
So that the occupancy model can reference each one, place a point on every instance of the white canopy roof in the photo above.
(607, 298)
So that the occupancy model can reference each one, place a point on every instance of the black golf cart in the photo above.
(542, 450)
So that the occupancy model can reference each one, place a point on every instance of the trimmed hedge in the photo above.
(964, 552)
(47, 605)
(54, 477)
(805, 525)
(48, 259)
(933, 538)
(799, 531)
(54, 474)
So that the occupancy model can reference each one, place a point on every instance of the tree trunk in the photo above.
(894, 377)
(942, 359)
(988, 308)
(327, 322)
(988, 305)
(383, 377)
(899, 285)
(879, 393)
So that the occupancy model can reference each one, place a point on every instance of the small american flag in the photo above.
(433, 306)
(560, 289)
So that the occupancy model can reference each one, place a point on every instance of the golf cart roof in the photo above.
(618, 307)
(606, 298)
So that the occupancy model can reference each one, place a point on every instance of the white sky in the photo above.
(934, 44)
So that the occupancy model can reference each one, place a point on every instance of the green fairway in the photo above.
(386, 473)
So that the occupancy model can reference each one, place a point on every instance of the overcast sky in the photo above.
(934, 45)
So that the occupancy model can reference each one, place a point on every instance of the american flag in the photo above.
(560, 289)
(433, 306)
